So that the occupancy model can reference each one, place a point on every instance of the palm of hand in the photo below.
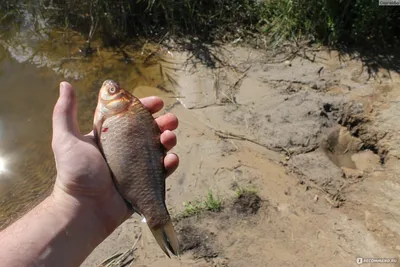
(82, 172)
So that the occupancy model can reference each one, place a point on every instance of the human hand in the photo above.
(83, 179)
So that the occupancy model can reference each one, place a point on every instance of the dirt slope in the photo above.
(316, 136)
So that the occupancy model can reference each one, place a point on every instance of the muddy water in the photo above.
(31, 67)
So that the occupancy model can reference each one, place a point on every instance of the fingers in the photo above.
(64, 114)
(168, 139)
(171, 163)
(152, 103)
(167, 122)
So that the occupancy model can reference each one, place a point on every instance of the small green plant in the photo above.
(192, 208)
(211, 203)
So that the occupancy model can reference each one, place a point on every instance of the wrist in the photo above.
(73, 214)
(104, 213)
(57, 232)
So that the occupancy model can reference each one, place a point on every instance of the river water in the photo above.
(34, 58)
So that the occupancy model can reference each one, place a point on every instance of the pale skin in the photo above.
(84, 206)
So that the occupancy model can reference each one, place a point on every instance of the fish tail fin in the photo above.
(166, 238)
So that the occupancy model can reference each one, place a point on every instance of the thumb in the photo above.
(64, 115)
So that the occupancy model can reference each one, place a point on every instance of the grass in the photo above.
(213, 203)
(331, 21)
(359, 28)
(327, 21)
(210, 203)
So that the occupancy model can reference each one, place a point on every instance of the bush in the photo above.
(328, 21)
(206, 19)
(332, 21)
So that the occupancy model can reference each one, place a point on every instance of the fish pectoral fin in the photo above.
(97, 124)
(167, 238)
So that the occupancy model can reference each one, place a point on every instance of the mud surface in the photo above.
(197, 241)
(247, 203)
(316, 138)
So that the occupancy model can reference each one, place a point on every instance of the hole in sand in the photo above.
(247, 203)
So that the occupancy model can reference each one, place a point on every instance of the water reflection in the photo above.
(27, 96)
(2, 166)
(31, 67)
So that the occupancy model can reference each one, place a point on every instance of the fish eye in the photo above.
(112, 90)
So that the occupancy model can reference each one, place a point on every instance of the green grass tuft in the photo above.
(210, 203)
(192, 208)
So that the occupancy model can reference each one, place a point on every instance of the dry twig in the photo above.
(118, 259)
(226, 135)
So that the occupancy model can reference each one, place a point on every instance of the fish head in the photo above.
(112, 100)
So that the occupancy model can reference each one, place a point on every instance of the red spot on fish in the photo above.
(105, 130)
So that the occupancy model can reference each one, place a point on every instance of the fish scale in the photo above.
(138, 176)
(129, 139)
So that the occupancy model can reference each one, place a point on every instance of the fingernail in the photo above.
(62, 88)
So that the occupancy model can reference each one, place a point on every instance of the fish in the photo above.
(129, 139)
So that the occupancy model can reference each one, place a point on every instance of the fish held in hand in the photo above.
(129, 139)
